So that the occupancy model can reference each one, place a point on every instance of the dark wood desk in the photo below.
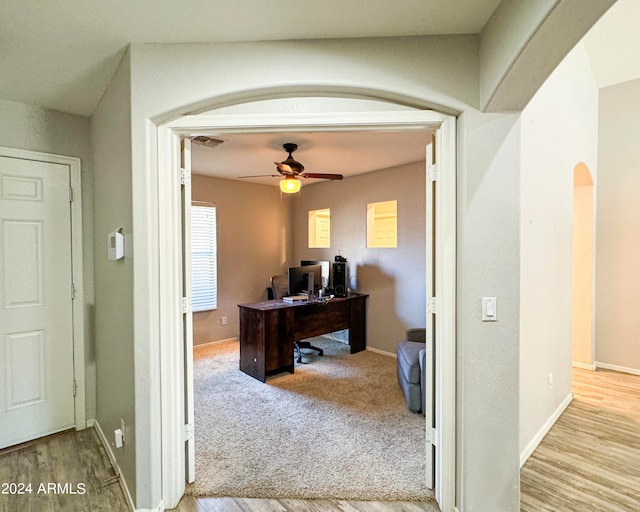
(269, 328)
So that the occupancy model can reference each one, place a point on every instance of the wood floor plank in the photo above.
(590, 459)
(292, 505)
(60, 463)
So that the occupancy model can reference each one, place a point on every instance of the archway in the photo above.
(582, 311)
(170, 264)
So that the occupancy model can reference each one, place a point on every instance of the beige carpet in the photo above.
(336, 429)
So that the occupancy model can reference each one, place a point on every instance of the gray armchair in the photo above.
(411, 354)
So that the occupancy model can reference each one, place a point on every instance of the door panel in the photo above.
(36, 324)
(431, 321)
(190, 449)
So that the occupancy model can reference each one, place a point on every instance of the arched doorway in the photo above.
(172, 369)
(582, 311)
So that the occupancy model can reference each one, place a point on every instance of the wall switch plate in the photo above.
(223, 320)
(489, 309)
(117, 433)
(115, 249)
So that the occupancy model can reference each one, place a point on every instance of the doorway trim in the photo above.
(172, 363)
(75, 201)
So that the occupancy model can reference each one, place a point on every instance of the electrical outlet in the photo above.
(223, 320)
(550, 380)
(122, 428)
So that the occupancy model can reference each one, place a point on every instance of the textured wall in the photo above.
(559, 131)
(487, 352)
(394, 278)
(618, 224)
(254, 243)
(114, 283)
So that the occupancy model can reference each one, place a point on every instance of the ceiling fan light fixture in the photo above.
(290, 185)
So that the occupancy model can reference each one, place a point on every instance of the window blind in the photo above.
(204, 261)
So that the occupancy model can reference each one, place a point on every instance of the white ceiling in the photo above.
(346, 153)
(61, 55)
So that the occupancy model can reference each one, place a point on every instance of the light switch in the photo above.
(489, 312)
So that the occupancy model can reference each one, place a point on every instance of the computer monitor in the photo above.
(326, 266)
(299, 278)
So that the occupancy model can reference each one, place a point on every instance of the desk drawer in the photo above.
(317, 319)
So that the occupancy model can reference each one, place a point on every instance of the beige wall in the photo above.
(559, 130)
(115, 359)
(254, 242)
(37, 129)
(394, 278)
(618, 225)
(259, 229)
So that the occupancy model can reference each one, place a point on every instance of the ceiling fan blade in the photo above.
(261, 176)
(322, 176)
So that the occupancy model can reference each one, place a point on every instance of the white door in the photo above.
(190, 450)
(36, 323)
(431, 323)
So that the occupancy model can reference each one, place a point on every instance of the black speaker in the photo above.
(340, 279)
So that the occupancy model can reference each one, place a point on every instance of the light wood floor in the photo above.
(78, 457)
(190, 504)
(590, 459)
(68, 458)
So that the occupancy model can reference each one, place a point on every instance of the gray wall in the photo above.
(394, 278)
(488, 246)
(618, 225)
(254, 243)
(111, 137)
(37, 129)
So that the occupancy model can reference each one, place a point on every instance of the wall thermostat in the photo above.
(116, 245)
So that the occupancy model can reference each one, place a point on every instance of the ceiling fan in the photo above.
(292, 170)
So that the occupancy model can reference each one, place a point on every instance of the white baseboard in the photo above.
(533, 444)
(583, 366)
(209, 343)
(616, 368)
(383, 352)
(114, 462)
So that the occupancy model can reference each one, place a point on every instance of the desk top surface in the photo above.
(268, 305)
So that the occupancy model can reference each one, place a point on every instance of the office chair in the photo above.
(279, 285)
(280, 288)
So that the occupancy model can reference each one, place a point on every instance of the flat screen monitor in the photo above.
(326, 266)
(299, 279)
